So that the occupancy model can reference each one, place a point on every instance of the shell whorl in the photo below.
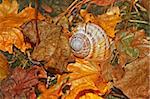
(89, 41)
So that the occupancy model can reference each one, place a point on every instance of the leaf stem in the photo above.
(36, 24)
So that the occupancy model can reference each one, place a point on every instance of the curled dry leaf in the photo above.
(10, 21)
(49, 38)
(135, 83)
(85, 79)
(19, 84)
(107, 21)
(4, 71)
(53, 47)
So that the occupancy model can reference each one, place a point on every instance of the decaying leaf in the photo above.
(10, 21)
(84, 79)
(132, 42)
(126, 69)
(49, 38)
(19, 84)
(107, 21)
(112, 68)
(53, 47)
(135, 83)
(4, 69)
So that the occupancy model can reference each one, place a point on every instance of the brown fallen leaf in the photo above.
(53, 47)
(113, 71)
(4, 69)
(146, 3)
(135, 39)
(135, 83)
(49, 38)
(140, 42)
(10, 22)
(19, 84)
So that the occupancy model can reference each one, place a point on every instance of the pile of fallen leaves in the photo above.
(36, 60)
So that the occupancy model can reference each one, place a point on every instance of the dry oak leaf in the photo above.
(3, 67)
(107, 21)
(10, 21)
(84, 79)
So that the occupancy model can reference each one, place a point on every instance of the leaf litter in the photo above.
(36, 60)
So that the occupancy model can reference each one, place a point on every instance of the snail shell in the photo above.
(89, 41)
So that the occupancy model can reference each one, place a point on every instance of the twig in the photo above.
(142, 8)
(36, 24)
(138, 21)
(67, 10)
(78, 5)
(129, 13)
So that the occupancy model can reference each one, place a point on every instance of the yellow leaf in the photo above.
(12, 36)
(88, 17)
(84, 79)
(109, 21)
(8, 8)
(10, 22)
(3, 67)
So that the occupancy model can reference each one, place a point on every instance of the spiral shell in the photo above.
(89, 41)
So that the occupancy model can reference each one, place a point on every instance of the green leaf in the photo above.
(132, 52)
(128, 39)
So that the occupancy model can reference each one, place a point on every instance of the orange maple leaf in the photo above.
(85, 79)
(107, 21)
(10, 21)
